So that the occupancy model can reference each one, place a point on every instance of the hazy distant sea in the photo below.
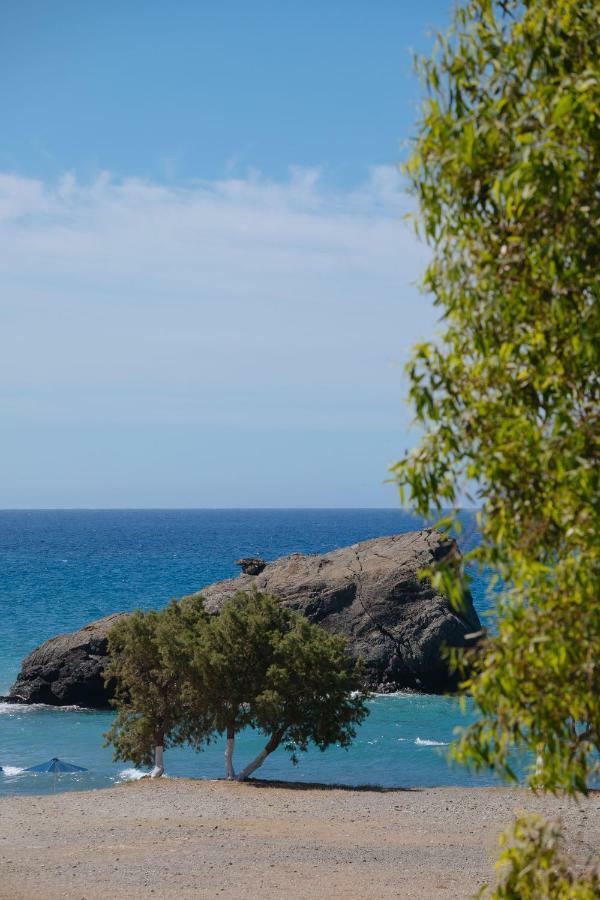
(61, 569)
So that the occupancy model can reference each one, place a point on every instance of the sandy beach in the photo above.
(181, 838)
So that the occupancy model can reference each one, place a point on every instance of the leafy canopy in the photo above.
(183, 677)
(505, 170)
(268, 667)
(533, 865)
(233, 663)
(149, 664)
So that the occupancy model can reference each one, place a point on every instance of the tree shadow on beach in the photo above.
(320, 786)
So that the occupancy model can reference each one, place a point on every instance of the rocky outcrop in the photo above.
(68, 669)
(251, 565)
(370, 592)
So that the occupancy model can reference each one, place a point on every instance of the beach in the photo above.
(187, 838)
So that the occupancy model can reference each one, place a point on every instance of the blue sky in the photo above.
(207, 286)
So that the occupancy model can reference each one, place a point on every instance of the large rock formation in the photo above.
(68, 669)
(370, 592)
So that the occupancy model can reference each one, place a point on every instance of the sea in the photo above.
(60, 569)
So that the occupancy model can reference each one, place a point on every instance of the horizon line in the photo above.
(223, 509)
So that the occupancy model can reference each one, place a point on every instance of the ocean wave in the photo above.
(425, 742)
(12, 770)
(17, 770)
(395, 695)
(132, 774)
(24, 708)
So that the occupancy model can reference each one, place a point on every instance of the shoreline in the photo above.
(187, 838)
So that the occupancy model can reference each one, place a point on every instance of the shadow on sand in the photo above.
(319, 786)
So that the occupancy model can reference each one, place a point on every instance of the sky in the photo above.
(208, 288)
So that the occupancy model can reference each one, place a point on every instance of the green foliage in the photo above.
(182, 633)
(144, 689)
(182, 677)
(150, 657)
(234, 661)
(533, 865)
(505, 169)
(312, 691)
(268, 667)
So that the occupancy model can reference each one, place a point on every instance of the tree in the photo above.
(232, 664)
(505, 170)
(149, 660)
(267, 667)
(182, 633)
(182, 677)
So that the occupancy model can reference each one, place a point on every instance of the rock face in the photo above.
(68, 669)
(369, 592)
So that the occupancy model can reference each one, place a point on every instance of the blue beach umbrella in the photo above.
(56, 765)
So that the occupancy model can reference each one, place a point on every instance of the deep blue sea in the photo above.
(61, 569)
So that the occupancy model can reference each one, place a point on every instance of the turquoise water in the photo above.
(61, 569)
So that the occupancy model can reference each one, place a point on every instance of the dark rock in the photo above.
(369, 592)
(251, 565)
(68, 669)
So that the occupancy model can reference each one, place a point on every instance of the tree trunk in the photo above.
(272, 744)
(159, 767)
(229, 770)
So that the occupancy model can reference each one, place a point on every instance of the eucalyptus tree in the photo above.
(505, 169)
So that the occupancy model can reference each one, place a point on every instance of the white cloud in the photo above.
(231, 304)
(134, 285)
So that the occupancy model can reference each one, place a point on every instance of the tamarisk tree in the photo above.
(267, 667)
(183, 677)
(231, 665)
(149, 661)
(312, 693)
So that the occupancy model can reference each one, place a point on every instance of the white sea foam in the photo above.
(16, 770)
(396, 695)
(12, 770)
(13, 709)
(425, 742)
(16, 709)
(132, 774)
